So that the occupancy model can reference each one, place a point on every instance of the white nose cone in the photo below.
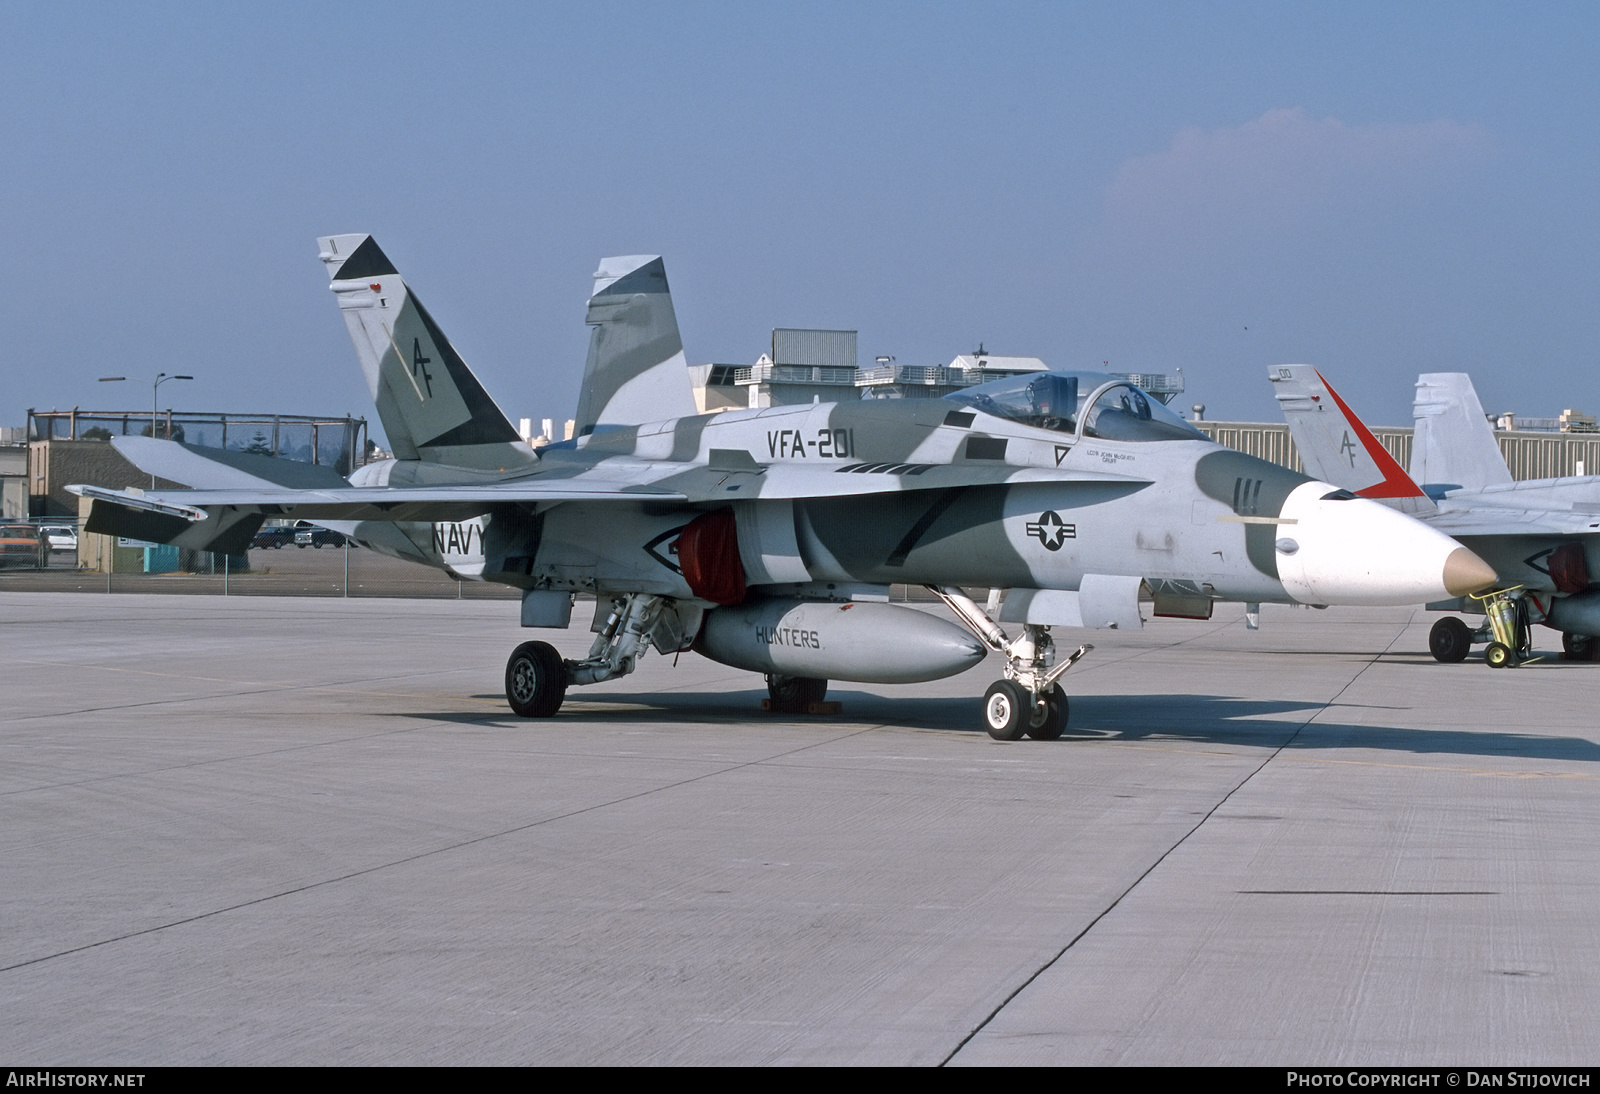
(1355, 551)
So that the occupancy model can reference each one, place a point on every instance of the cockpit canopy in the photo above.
(1088, 403)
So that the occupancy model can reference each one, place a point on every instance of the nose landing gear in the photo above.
(1508, 623)
(1011, 712)
(1028, 702)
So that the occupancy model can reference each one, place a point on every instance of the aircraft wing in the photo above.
(609, 482)
(240, 491)
(1497, 521)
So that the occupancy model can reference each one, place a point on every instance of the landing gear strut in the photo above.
(537, 678)
(1028, 701)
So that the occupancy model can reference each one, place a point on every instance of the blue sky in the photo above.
(1378, 189)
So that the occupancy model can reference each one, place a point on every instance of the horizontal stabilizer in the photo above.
(160, 520)
(215, 468)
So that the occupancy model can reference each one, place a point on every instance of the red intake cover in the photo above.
(708, 555)
(1568, 569)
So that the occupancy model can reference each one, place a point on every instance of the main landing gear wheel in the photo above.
(1048, 718)
(1579, 647)
(536, 680)
(1450, 640)
(1498, 655)
(795, 694)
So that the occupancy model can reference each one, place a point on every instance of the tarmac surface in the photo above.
(308, 831)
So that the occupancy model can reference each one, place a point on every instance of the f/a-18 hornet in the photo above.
(767, 539)
(1541, 535)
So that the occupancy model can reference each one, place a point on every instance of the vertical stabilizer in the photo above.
(1455, 443)
(1335, 445)
(636, 370)
(431, 405)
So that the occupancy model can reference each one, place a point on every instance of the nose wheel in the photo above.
(1450, 640)
(1028, 702)
(1011, 712)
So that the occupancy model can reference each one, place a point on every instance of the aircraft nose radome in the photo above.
(1465, 572)
(1354, 551)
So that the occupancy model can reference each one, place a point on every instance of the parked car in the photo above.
(60, 537)
(307, 534)
(274, 536)
(19, 545)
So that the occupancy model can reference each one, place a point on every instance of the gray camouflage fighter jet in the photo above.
(1542, 536)
(767, 539)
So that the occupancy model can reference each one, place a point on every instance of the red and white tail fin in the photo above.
(1336, 446)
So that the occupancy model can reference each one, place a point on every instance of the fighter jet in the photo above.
(1541, 536)
(768, 539)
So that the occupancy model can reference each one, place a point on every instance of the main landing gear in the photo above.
(537, 677)
(1579, 647)
(536, 680)
(794, 694)
(1028, 702)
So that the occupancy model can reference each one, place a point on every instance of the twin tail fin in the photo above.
(432, 407)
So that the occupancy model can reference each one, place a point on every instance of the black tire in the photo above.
(1497, 656)
(1450, 640)
(1049, 718)
(536, 680)
(1579, 647)
(1005, 710)
(795, 694)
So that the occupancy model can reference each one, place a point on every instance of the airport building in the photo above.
(13, 473)
(805, 365)
(72, 446)
(1529, 453)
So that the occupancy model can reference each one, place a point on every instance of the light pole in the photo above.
(155, 387)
